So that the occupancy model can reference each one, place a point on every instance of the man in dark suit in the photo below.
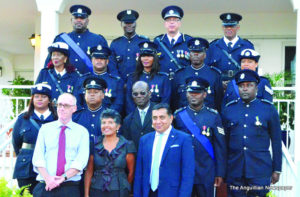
(165, 162)
(138, 123)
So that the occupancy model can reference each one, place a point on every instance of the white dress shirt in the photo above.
(61, 73)
(233, 41)
(163, 144)
(46, 148)
(145, 110)
(45, 114)
(175, 37)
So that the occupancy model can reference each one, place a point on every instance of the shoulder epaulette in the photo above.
(231, 102)
(264, 78)
(216, 69)
(161, 36)
(212, 110)
(267, 101)
(142, 36)
(184, 36)
(179, 110)
(84, 74)
(114, 76)
(79, 110)
(163, 73)
(213, 41)
(118, 38)
(248, 41)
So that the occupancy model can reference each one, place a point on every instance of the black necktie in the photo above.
(172, 42)
(229, 45)
(59, 76)
(42, 117)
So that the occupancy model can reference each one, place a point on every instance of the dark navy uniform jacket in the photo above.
(160, 87)
(113, 95)
(214, 92)
(25, 132)
(216, 57)
(124, 54)
(264, 91)
(85, 41)
(132, 128)
(209, 120)
(90, 120)
(249, 129)
(179, 51)
(67, 82)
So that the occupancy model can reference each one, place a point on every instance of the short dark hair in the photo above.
(163, 106)
(111, 113)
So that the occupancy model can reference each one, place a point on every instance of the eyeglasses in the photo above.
(65, 106)
(135, 94)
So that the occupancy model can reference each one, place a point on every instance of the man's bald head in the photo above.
(141, 94)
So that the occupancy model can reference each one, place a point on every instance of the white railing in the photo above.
(285, 187)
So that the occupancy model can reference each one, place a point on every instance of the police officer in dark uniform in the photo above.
(205, 125)
(224, 53)
(249, 60)
(80, 40)
(139, 122)
(250, 125)
(197, 47)
(125, 48)
(172, 46)
(147, 69)
(59, 73)
(114, 93)
(26, 130)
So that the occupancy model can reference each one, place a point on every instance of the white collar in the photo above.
(175, 37)
(45, 114)
(61, 73)
(145, 109)
(233, 41)
(166, 133)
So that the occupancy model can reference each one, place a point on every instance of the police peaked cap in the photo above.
(41, 88)
(230, 19)
(147, 48)
(100, 52)
(196, 84)
(249, 54)
(93, 82)
(172, 11)
(60, 47)
(80, 11)
(198, 44)
(246, 75)
(128, 16)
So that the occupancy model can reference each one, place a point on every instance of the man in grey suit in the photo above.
(138, 123)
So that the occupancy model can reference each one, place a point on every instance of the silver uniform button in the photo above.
(245, 148)
(170, 69)
(58, 81)
(78, 43)
(76, 60)
(172, 52)
(93, 115)
(24, 159)
(92, 125)
(128, 58)
(79, 36)
(246, 115)
(142, 133)
(128, 49)
(245, 125)
(247, 105)
(195, 113)
(245, 137)
(229, 62)
(56, 90)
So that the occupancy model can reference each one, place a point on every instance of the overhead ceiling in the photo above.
(17, 17)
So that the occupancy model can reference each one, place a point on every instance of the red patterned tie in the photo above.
(61, 158)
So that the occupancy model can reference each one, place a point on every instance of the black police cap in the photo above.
(198, 44)
(172, 11)
(128, 16)
(147, 48)
(81, 11)
(196, 84)
(93, 82)
(230, 19)
(100, 52)
(246, 75)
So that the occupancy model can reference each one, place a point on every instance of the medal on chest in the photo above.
(205, 131)
(257, 122)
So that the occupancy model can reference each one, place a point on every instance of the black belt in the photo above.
(66, 183)
(228, 74)
(28, 146)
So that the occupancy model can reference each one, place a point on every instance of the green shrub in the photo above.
(5, 191)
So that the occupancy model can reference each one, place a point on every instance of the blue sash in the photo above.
(236, 88)
(77, 50)
(194, 129)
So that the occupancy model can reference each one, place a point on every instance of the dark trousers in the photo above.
(203, 190)
(29, 181)
(248, 187)
(153, 194)
(70, 188)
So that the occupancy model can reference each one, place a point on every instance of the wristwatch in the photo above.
(65, 176)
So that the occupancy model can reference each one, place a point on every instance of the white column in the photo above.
(50, 11)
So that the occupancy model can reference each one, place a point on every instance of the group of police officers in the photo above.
(216, 94)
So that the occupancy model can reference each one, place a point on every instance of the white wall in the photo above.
(23, 66)
(6, 60)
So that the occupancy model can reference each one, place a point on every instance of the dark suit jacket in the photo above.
(132, 128)
(177, 167)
